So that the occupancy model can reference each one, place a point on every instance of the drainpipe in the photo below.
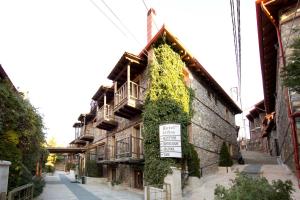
(286, 93)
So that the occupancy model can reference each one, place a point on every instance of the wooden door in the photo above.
(138, 179)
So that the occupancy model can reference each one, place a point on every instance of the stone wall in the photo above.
(283, 129)
(212, 124)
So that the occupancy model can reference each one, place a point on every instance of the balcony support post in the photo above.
(115, 92)
(130, 146)
(128, 81)
(104, 106)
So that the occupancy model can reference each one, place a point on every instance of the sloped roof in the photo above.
(194, 65)
(3, 75)
(258, 108)
(268, 42)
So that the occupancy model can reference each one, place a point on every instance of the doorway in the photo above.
(138, 179)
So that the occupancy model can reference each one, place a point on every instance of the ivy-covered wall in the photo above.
(167, 100)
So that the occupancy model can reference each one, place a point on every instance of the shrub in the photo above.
(70, 166)
(92, 169)
(225, 158)
(246, 188)
(50, 168)
(193, 162)
(38, 185)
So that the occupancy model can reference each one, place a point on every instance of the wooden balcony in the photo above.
(129, 150)
(86, 134)
(105, 118)
(128, 100)
(105, 154)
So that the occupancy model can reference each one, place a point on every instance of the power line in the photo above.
(107, 17)
(120, 21)
(236, 30)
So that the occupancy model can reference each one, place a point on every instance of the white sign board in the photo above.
(170, 140)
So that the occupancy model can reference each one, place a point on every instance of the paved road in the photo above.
(59, 187)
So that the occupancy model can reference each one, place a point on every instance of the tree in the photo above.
(245, 188)
(21, 135)
(225, 158)
(290, 74)
(51, 142)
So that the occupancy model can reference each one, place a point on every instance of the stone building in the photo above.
(259, 140)
(278, 25)
(111, 132)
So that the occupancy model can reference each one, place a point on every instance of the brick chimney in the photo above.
(150, 24)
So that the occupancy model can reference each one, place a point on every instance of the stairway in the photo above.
(255, 157)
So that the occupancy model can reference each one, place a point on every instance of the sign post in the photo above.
(170, 140)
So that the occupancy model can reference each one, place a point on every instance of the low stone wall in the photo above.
(96, 180)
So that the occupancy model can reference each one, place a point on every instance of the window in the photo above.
(93, 154)
(208, 94)
(216, 99)
(226, 114)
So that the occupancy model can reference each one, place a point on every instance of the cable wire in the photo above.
(107, 17)
(116, 25)
(121, 22)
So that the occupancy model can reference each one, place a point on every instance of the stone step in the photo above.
(254, 157)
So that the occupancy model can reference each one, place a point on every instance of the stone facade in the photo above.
(212, 124)
(283, 131)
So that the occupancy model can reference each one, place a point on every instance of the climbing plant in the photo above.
(290, 74)
(21, 135)
(168, 99)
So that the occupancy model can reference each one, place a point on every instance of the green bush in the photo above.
(70, 166)
(21, 135)
(49, 168)
(92, 169)
(225, 158)
(193, 162)
(247, 188)
(38, 185)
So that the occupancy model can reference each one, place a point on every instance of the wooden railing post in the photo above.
(115, 93)
(128, 81)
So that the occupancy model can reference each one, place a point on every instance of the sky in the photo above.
(60, 51)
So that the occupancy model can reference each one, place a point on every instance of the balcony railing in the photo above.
(105, 113)
(105, 153)
(127, 149)
(130, 147)
(106, 118)
(122, 93)
(86, 133)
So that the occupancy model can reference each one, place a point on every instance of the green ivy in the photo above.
(21, 135)
(168, 99)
